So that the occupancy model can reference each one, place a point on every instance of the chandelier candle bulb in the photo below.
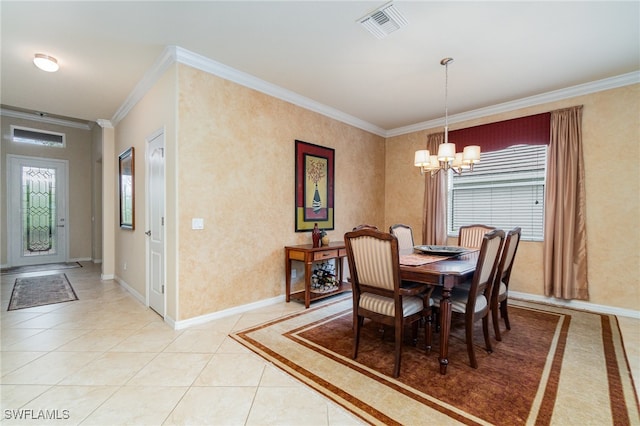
(447, 152)
(471, 154)
(421, 158)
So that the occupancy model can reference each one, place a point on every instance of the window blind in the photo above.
(505, 190)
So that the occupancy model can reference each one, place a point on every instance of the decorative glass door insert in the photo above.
(39, 211)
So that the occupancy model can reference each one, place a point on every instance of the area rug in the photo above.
(29, 292)
(40, 268)
(555, 366)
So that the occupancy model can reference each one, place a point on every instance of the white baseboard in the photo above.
(131, 290)
(106, 277)
(80, 259)
(576, 304)
(178, 325)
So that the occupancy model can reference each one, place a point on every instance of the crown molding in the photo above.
(105, 124)
(556, 95)
(164, 61)
(44, 119)
(172, 54)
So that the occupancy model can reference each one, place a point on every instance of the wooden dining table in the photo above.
(446, 273)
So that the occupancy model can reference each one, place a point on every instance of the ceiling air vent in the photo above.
(383, 21)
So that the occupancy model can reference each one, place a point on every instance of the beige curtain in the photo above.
(565, 234)
(434, 226)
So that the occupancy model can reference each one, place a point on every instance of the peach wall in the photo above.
(236, 171)
(610, 121)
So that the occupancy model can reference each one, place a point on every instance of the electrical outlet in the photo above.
(125, 266)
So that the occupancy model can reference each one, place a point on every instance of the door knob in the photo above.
(148, 232)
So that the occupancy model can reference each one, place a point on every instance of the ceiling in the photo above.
(503, 51)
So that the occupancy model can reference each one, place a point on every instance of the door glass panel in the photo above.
(39, 211)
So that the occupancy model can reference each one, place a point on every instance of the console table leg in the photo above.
(307, 284)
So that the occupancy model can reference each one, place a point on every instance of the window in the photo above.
(505, 190)
(38, 137)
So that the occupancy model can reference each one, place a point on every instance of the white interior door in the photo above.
(155, 232)
(37, 210)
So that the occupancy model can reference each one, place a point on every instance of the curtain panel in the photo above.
(565, 234)
(434, 224)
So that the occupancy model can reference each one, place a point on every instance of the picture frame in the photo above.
(126, 182)
(314, 186)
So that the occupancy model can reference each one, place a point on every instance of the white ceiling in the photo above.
(503, 51)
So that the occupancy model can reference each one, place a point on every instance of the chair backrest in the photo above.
(404, 234)
(374, 262)
(511, 242)
(483, 278)
(365, 226)
(470, 236)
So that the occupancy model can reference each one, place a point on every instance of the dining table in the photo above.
(447, 272)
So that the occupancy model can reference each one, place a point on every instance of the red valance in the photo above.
(530, 130)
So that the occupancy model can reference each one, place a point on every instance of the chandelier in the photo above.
(447, 157)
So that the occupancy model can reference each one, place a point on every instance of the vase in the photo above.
(317, 203)
(315, 235)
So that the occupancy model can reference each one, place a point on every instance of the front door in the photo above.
(37, 210)
(155, 232)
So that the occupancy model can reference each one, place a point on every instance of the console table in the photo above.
(308, 254)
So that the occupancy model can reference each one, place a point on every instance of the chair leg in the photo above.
(469, 338)
(356, 340)
(496, 323)
(398, 353)
(505, 313)
(428, 332)
(485, 331)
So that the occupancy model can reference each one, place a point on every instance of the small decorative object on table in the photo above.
(324, 279)
(324, 238)
(315, 235)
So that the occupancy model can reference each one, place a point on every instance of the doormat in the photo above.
(40, 268)
(29, 292)
(555, 366)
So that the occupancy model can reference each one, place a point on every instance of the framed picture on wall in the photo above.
(314, 186)
(126, 173)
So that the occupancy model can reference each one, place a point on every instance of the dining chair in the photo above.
(365, 226)
(374, 265)
(473, 301)
(404, 234)
(470, 236)
(501, 286)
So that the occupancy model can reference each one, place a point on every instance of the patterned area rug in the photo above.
(555, 366)
(29, 292)
(40, 268)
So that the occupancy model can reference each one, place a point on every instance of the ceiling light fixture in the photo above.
(447, 157)
(45, 62)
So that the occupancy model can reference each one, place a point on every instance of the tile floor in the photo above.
(106, 359)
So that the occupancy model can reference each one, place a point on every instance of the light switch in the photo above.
(197, 223)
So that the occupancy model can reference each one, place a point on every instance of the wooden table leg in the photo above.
(287, 278)
(445, 326)
(307, 283)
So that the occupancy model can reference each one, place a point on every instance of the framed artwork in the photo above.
(126, 173)
(314, 186)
